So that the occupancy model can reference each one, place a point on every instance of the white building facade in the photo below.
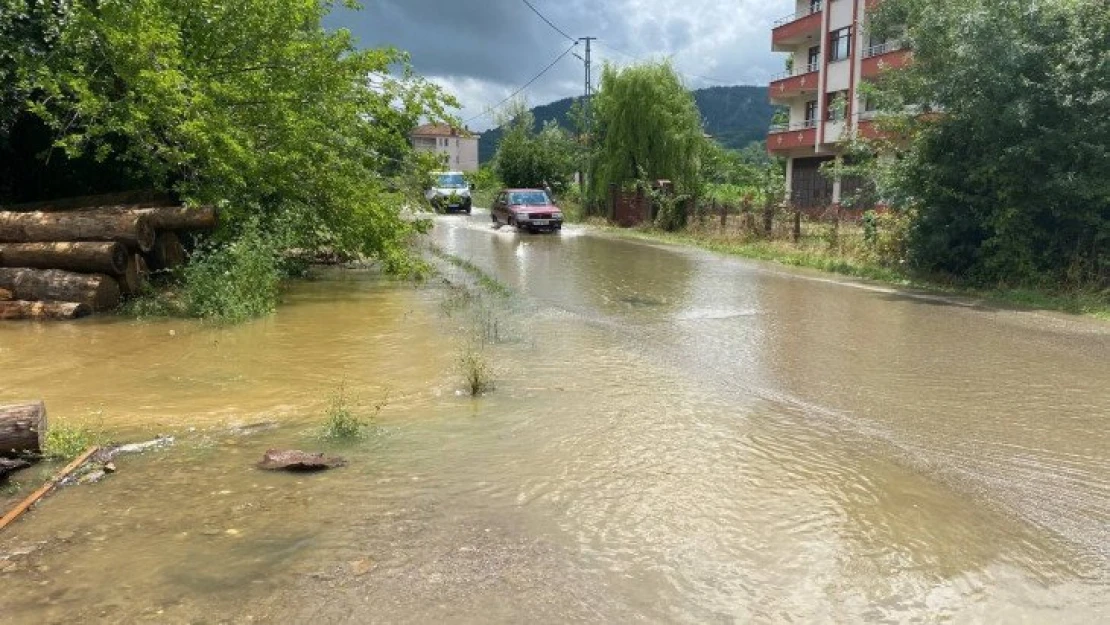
(458, 148)
(832, 55)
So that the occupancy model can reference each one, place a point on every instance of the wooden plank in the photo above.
(34, 497)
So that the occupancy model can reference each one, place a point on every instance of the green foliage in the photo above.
(527, 159)
(341, 421)
(66, 441)
(235, 281)
(252, 105)
(1009, 177)
(648, 128)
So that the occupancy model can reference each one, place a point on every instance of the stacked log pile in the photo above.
(66, 259)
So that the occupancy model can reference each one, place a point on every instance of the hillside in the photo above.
(736, 116)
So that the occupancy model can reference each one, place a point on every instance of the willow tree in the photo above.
(649, 129)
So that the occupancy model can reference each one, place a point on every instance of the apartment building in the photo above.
(459, 148)
(831, 54)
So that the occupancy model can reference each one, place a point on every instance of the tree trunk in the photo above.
(22, 429)
(5, 295)
(97, 291)
(168, 252)
(132, 230)
(42, 311)
(87, 257)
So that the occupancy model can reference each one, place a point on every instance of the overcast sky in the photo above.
(483, 50)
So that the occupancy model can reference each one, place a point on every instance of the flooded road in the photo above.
(675, 437)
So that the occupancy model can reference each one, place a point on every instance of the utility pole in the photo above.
(589, 93)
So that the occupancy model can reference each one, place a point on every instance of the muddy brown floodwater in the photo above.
(675, 437)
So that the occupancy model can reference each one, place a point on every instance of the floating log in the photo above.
(133, 280)
(43, 311)
(5, 295)
(85, 257)
(22, 429)
(131, 229)
(298, 461)
(168, 252)
(97, 291)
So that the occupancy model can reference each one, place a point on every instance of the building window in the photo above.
(811, 112)
(840, 44)
(814, 58)
(836, 106)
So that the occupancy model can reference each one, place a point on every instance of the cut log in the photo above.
(5, 295)
(133, 230)
(22, 429)
(132, 282)
(146, 198)
(168, 252)
(97, 291)
(163, 217)
(86, 257)
(43, 311)
(180, 217)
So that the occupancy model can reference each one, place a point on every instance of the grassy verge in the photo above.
(819, 255)
(486, 281)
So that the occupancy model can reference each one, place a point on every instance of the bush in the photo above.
(234, 282)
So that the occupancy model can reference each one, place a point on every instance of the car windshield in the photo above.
(528, 198)
(450, 181)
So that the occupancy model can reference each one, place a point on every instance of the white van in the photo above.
(449, 191)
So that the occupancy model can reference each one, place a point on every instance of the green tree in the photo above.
(528, 159)
(649, 129)
(251, 105)
(1008, 174)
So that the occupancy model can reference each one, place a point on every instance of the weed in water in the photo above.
(477, 372)
(66, 441)
(342, 422)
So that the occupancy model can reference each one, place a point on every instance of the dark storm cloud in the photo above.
(483, 49)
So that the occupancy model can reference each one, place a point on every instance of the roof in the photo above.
(440, 130)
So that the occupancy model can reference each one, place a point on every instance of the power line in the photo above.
(549, 23)
(526, 85)
(687, 74)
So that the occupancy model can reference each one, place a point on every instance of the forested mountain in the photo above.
(736, 116)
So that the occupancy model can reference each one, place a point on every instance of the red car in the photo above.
(526, 209)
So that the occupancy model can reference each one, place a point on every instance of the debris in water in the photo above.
(292, 460)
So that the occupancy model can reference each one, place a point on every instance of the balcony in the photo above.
(785, 137)
(797, 28)
(803, 80)
(883, 57)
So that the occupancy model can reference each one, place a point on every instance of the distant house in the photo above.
(460, 147)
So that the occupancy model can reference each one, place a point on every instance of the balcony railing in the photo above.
(882, 48)
(803, 125)
(798, 71)
(814, 7)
